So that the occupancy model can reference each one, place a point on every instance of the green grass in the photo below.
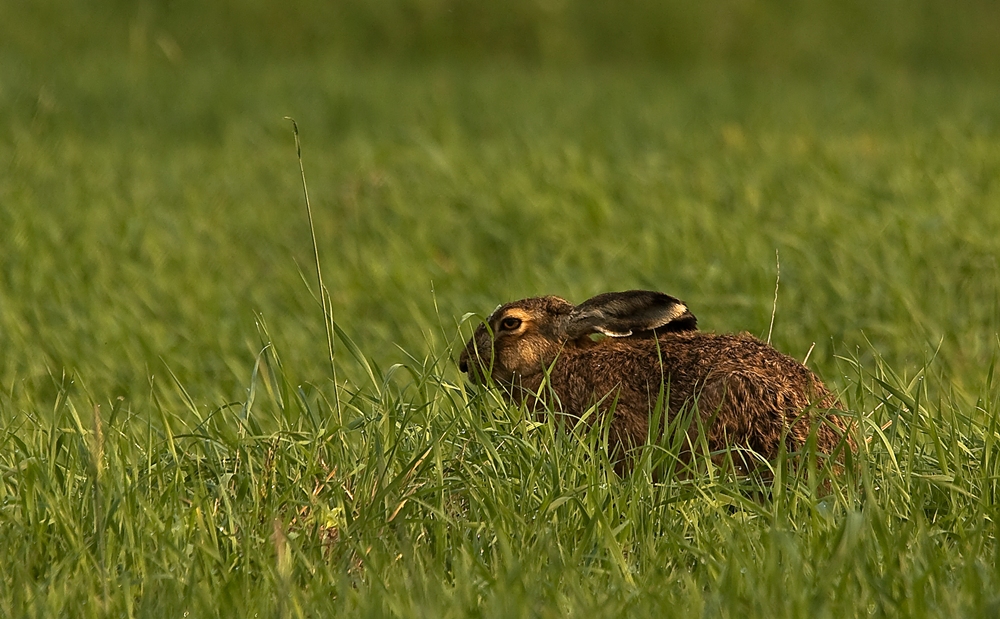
(171, 437)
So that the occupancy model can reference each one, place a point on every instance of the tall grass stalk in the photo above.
(326, 303)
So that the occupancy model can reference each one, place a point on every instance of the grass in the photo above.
(171, 437)
(413, 497)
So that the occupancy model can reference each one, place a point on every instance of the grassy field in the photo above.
(174, 441)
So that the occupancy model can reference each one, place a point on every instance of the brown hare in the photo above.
(747, 394)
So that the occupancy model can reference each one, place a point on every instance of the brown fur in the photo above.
(747, 393)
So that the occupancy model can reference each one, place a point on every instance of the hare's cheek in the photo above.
(509, 361)
(527, 358)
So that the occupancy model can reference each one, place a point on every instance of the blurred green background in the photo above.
(151, 207)
(771, 35)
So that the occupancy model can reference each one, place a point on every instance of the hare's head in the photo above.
(525, 337)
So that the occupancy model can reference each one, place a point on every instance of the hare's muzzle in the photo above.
(463, 359)
(476, 359)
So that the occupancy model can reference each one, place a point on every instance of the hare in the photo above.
(747, 394)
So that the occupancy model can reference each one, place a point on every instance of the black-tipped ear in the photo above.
(620, 314)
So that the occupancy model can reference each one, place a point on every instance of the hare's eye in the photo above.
(510, 323)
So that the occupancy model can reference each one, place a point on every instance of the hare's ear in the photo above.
(620, 314)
